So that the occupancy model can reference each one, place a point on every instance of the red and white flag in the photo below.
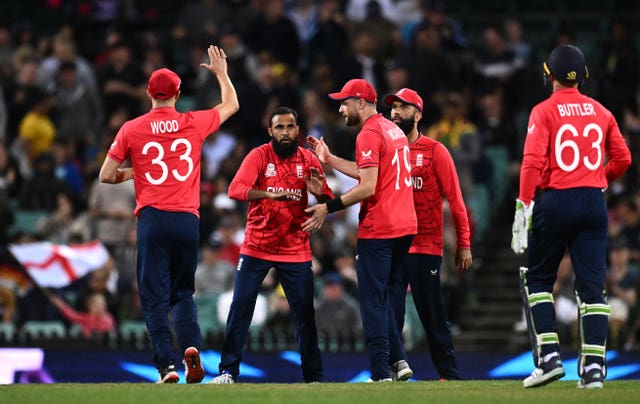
(55, 265)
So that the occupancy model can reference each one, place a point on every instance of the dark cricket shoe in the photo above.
(193, 370)
(592, 379)
(400, 371)
(548, 372)
(168, 374)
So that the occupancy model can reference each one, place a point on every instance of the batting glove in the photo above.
(521, 226)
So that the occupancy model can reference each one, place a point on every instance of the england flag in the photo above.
(55, 266)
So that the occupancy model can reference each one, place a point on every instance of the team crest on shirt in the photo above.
(419, 159)
(299, 172)
(271, 170)
(366, 155)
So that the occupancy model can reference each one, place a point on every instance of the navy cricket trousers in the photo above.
(422, 273)
(167, 259)
(574, 219)
(379, 266)
(296, 279)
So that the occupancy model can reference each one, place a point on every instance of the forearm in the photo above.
(346, 167)
(118, 176)
(257, 194)
(229, 104)
(356, 194)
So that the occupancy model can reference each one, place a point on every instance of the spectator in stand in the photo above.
(122, 80)
(95, 321)
(429, 59)
(56, 226)
(78, 113)
(36, 130)
(621, 291)
(275, 34)
(65, 50)
(213, 274)
(18, 94)
(10, 176)
(67, 169)
(111, 211)
(279, 318)
(337, 313)
(620, 78)
(460, 137)
(40, 192)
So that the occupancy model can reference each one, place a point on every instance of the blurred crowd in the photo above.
(74, 71)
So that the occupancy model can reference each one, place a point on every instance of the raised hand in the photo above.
(320, 148)
(314, 181)
(217, 60)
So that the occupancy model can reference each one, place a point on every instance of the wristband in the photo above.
(334, 205)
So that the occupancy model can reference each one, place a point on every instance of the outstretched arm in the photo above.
(320, 148)
(218, 66)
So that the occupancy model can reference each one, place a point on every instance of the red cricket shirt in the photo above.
(434, 177)
(274, 228)
(389, 212)
(165, 147)
(572, 141)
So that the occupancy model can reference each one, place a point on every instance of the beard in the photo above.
(352, 120)
(284, 150)
(405, 124)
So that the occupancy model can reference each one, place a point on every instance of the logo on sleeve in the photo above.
(115, 142)
(271, 170)
(366, 155)
(530, 129)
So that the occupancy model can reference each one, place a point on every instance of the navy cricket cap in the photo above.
(566, 64)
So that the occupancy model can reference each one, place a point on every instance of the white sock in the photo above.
(592, 366)
(549, 356)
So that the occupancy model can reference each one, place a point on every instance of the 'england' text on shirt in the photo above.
(297, 192)
(164, 126)
(584, 109)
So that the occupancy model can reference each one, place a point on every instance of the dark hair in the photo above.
(283, 111)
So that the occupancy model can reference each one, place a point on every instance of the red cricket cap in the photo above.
(356, 88)
(406, 95)
(164, 84)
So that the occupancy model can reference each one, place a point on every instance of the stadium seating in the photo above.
(134, 333)
(33, 330)
(26, 221)
(207, 313)
(7, 333)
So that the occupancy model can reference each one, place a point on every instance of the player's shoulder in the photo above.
(425, 143)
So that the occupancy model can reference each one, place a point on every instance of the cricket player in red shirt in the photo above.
(164, 146)
(434, 177)
(276, 178)
(387, 218)
(573, 150)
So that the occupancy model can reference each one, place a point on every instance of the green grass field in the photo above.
(477, 391)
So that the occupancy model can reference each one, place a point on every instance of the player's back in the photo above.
(578, 134)
(165, 148)
(390, 211)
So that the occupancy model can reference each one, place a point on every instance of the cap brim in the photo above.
(339, 96)
(389, 99)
